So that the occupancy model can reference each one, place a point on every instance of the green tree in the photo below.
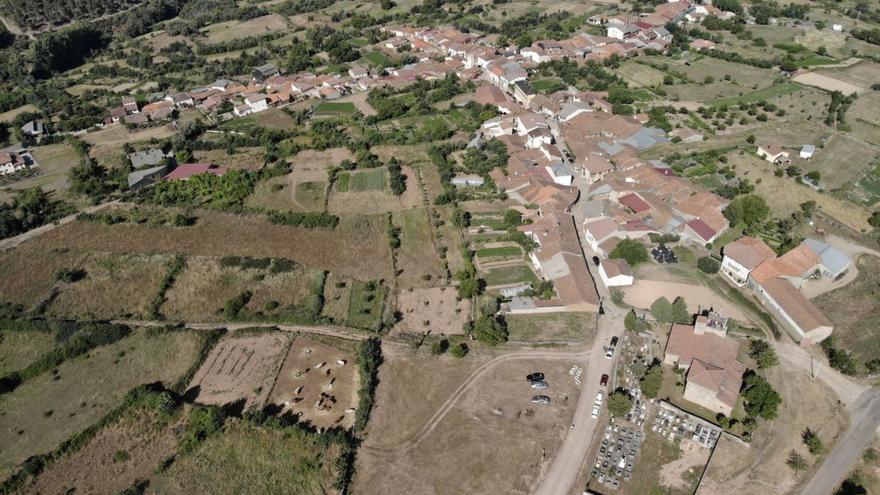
(661, 310)
(651, 381)
(796, 461)
(630, 250)
(812, 441)
(763, 353)
(616, 296)
(439, 347)
(708, 264)
(490, 330)
(632, 322)
(749, 209)
(619, 403)
(680, 313)
(760, 398)
(459, 351)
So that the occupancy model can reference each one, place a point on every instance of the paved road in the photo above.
(12, 242)
(864, 422)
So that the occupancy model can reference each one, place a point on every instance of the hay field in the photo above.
(232, 30)
(225, 234)
(19, 349)
(418, 264)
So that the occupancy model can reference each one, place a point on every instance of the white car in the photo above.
(595, 413)
(600, 397)
(609, 352)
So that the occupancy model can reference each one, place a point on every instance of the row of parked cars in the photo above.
(537, 382)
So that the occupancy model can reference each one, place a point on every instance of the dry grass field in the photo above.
(114, 286)
(44, 411)
(461, 454)
(28, 272)
(241, 367)
(418, 264)
(438, 311)
(367, 192)
(204, 286)
(862, 74)
(54, 161)
(232, 30)
(19, 349)
(223, 234)
(247, 459)
(639, 74)
(15, 112)
(337, 292)
(761, 467)
(244, 158)
(314, 386)
(302, 189)
(121, 454)
(552, 327)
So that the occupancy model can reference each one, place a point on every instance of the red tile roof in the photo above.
(634, 203)
(701, 229)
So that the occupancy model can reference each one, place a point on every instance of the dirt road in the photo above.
(848, 391)
(865, 420)
(12, 242)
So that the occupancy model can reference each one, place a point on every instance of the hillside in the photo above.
(41, 14)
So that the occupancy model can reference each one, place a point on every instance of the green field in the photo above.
(365, 306)
(517, 274)
(310, 194)
(504, 251)
(247, 459)
(549, 85)
(366, 180)
(551, 327)
(378, 59)
(335, 107)
(761, 94)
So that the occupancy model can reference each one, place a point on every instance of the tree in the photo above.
(651, 381)
(632, 322)
(459, 351)
(749, 209)
(708, 264)
(661, 310)
(680, 313)
(760, 398)
(617, 296)
(630, 250)
(619, 403)
(490, 330)
(439, 347)
(763, 353)
(812, 441)
(796, 461)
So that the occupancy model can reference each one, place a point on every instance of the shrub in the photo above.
(619, 403)
(233, 307)
(630, 250)
(459, 351)
(708, 264)
(70, 275)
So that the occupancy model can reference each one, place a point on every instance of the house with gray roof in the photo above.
(834, 262)
(145, 177)
(146, 158)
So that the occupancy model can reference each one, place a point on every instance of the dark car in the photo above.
(613, 341)
(603, 381)
(535, 377)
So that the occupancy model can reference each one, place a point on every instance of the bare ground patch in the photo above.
(317, 383)
(437, 310)
(240, 367)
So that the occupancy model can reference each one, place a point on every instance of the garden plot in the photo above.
(827, 83)
(438, 311)
(366, 192)
(240, 368)
(317, 383)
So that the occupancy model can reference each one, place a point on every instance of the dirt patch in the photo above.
(438, 311)
(318, 162)
(461, 454)
(693, 459)
(243, 158)
(827, 83)
(643, 293)
(360, 102)
(115, 459)
(223, 234)
(318, 383)
(240, 367)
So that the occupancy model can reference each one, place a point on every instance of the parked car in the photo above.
(595, 413)
(609, 352)
(540, 399)
(603, 381)
(535, 377)
(540, 385)
(613, 341)
(600, 397)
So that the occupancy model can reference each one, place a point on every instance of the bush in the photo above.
(760, 398)
(708, 264)
(439, 347)
(812, 441)
(619, 403)
(652, 380)
(630, 250)
(369, 358)
(70, 275)
(233, 307)
(763, 354)
(459, 351)
(490, 330)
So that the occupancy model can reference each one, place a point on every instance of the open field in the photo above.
(337, 291)
(15, 112)
(862, 74)
(465, 442)
(855, 310)
(19, 349)
(640, 74)
(864, 117)
(48, 409)
(365, 191)
(128, 450)
(205, 284)
(767, 93)
(364, 180)
(314, 386)
(114, 286)
(761, 467)
(333, 107)
(232, 30)
(54, 161)
(303, 188)
(827, 83)
(223, 234)
(244, 158)
(247, 459)
(315, 161)
(378, 59)
(510, 275)
(366, 304)
(418, 264)
(565, 327)
(438, 311)
(840, 161)
(865, 190)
